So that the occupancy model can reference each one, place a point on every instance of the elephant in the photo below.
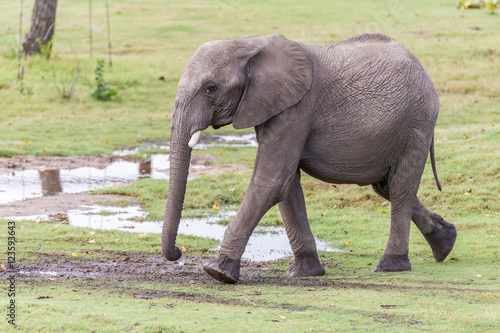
(361, 111)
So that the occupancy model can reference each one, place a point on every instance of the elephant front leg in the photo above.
(260, 197)
(293, 211)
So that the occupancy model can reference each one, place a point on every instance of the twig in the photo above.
(109, 33)
(90, 27)
(66, 94)
(414, 320)
(391, 306)
(309, 306)
(19, 72)
(170, 305)
(250, 302)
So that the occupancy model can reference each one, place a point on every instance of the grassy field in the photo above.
(152, 42)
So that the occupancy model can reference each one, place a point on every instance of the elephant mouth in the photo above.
(219, 126)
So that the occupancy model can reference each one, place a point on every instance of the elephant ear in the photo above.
(279, 74)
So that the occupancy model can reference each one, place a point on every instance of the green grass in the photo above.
(154, 39)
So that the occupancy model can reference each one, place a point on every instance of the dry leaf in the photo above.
(91, 241)
(383, 211)
(142, 235)
(92, 232)
(3, 266)
(216, 207)
(74, 254)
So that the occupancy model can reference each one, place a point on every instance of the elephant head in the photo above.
(245, 82)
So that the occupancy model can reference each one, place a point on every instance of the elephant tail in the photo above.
(433, 163)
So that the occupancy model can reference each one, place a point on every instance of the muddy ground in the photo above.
(16, 163)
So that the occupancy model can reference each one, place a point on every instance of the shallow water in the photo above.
(206, 141)
(26, 184)
(266, 243)
(36, 183)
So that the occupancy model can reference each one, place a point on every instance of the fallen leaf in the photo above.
(126, 258)
(349, 242)
(74, 254)
(27, 141)
(91, 241)
(128, 327)
(220, 153)
(383, 211)
(216, 207)
(92, 232)
(361, 199)
(142, 235)
(3, 267)
(183, 248)
(45, 150)
(310, 196)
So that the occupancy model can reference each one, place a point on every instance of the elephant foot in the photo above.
(393, 263)
(308, 265)
(442, 238)
(223, 269)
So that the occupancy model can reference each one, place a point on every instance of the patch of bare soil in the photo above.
(148, 275)
(12, 164)
(63, 202)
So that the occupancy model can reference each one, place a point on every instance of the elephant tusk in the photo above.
(194, 139)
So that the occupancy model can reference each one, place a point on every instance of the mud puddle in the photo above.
(265, 244)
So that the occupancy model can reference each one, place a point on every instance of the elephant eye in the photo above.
(211, 88)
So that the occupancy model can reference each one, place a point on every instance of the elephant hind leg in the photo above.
(395, 257)
(440, 234)
(293, 212)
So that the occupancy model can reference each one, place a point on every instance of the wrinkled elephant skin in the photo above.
(361, 111)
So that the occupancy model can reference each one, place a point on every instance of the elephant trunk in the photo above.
(180, 155)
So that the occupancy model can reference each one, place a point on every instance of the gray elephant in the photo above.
(361, 111)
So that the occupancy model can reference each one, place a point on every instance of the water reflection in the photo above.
(25, 184)
(51, 182)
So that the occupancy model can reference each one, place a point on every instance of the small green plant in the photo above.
(104, 91)
(25, 90)
(45, 49)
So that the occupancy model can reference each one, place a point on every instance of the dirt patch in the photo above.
(12, 164)
(63, 202)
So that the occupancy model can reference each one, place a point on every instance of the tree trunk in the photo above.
(42, 28)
